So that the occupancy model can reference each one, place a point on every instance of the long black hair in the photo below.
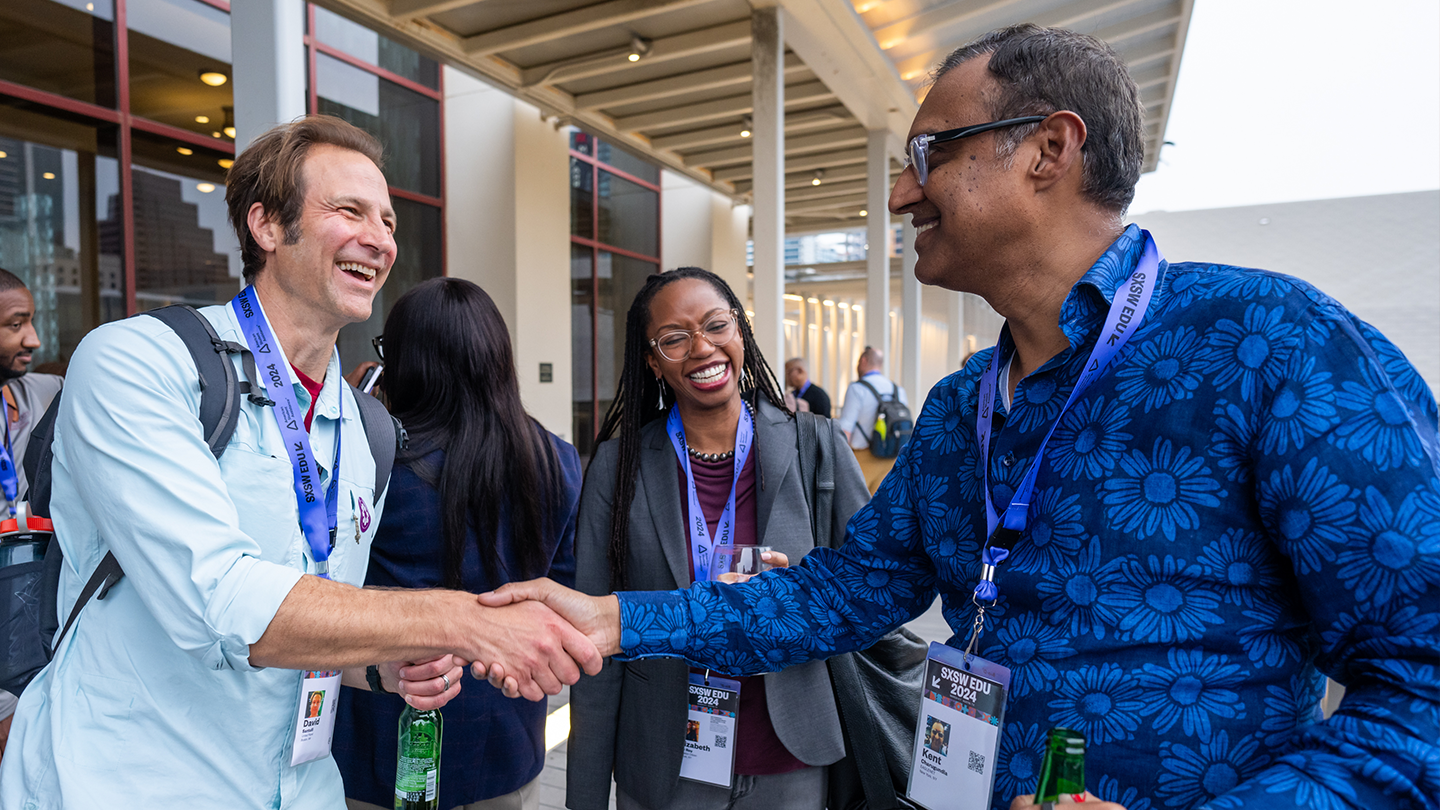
(635, 403)
(450, 377)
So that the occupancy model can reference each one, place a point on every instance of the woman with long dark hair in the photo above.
(483, 495)
(698, 422)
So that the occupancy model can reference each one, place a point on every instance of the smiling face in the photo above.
(18, 340)
(346, 245)
(710, 376)
(970, 207)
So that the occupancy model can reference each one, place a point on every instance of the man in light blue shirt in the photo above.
(857, 415)
(182, 688)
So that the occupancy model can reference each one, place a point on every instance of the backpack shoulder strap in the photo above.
(878, 396)
(219, 385)
(385, 433)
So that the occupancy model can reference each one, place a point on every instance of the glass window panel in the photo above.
(52, 237)
(618, 279)
(629, 215)
(417, 257)
(582, 142)
(368, 46)
(406, 122)
(173, 44)
(582, 199)
(185, 249)
(60, 47)
(582, 361)
(628, 163)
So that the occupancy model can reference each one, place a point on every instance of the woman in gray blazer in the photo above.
(695, 398)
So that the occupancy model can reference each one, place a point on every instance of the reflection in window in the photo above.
(368, 46)
(180, 65)
(582, 199)
(581, 349)
(417, 257)
(50, 239)
(64, 47)
(407, 123)
(629, 215)
(618, 279)
(185, 251)
(628, 163)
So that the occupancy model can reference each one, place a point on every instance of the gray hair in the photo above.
(799, 361)
(1039, 71)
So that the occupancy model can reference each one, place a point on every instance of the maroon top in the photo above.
(760, 752)
(314, 389)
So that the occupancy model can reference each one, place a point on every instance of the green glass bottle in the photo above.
(1062, 772)
(417, 768)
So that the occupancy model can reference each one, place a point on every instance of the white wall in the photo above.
(507, 190)
(702, 228)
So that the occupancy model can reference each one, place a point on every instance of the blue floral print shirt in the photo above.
(1246, 499)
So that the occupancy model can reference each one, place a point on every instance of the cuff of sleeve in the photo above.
(245, 601)
(653, 624)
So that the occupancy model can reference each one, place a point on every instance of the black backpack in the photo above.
(28, 614)
(893, 424)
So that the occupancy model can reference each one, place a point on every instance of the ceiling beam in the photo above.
(568, 24)
(823, 141)
(802, 180)
(728, 107)
(736, 75)
(937, 21)
(826, 190)
(402, 10)
(666, 49)
(808, 163)
(924, 48)
(855, 201)
(798, 122)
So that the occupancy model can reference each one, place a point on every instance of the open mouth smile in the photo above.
(358, 270)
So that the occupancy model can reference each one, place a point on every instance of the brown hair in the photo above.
(269, 172)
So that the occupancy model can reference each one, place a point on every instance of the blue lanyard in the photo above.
(316, 520)
(9, 478)
(701, 542)
(1127, 309)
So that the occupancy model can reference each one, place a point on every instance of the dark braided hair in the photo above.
(634, 405)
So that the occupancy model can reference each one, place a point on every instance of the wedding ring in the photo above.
(446, 679)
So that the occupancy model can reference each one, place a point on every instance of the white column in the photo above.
(767, 59)
(955, 340)
(910, 315)
(267, 40)
(877, 258)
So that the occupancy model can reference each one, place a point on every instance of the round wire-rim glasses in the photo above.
(717, 331)
(917, 152)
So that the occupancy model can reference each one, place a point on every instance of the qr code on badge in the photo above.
(977, 762)
(720, 741)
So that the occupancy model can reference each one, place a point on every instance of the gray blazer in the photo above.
(630, 719)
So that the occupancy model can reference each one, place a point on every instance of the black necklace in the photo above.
(713, 457)
(709, 456)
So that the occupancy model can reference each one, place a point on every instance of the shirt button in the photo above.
(1008, 459)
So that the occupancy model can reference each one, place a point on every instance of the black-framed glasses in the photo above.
(677, 345)
(917, 153)
(379, 343)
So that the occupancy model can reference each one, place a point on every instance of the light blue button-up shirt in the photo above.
(151, 700)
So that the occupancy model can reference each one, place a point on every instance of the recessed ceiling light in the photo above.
(4, 155)
(205, 188)
(230, 133)
(864, 213)
(185, 150)
(202, 119)
(746, 124)
(48, 175)
(225, 163)
(213, 78)
(819, 175)
(215, 134)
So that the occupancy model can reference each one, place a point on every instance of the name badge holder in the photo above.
(714, 713)
(957, 738)
(315, 723)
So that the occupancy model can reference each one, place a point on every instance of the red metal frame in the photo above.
(354, 61)
(58, 102)
(224, 145)
(220, 4)
(127, 185)
(596, 166)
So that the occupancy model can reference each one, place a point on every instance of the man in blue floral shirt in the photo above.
(1244, 499)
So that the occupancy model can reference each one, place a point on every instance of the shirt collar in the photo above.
(1084, 308)
(328, 404)
(803, 389)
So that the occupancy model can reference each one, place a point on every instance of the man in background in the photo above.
(862, 404)
(797, 377)
(26, 395)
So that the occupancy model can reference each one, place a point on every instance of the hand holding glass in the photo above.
(738, 563)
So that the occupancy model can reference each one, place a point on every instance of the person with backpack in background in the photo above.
(185, 683)
(27, 394)
(875, 417)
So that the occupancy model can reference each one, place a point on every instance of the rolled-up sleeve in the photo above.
(131, 460)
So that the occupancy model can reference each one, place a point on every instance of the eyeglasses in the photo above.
(379, 343)
(917, 154)
(676, 346)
